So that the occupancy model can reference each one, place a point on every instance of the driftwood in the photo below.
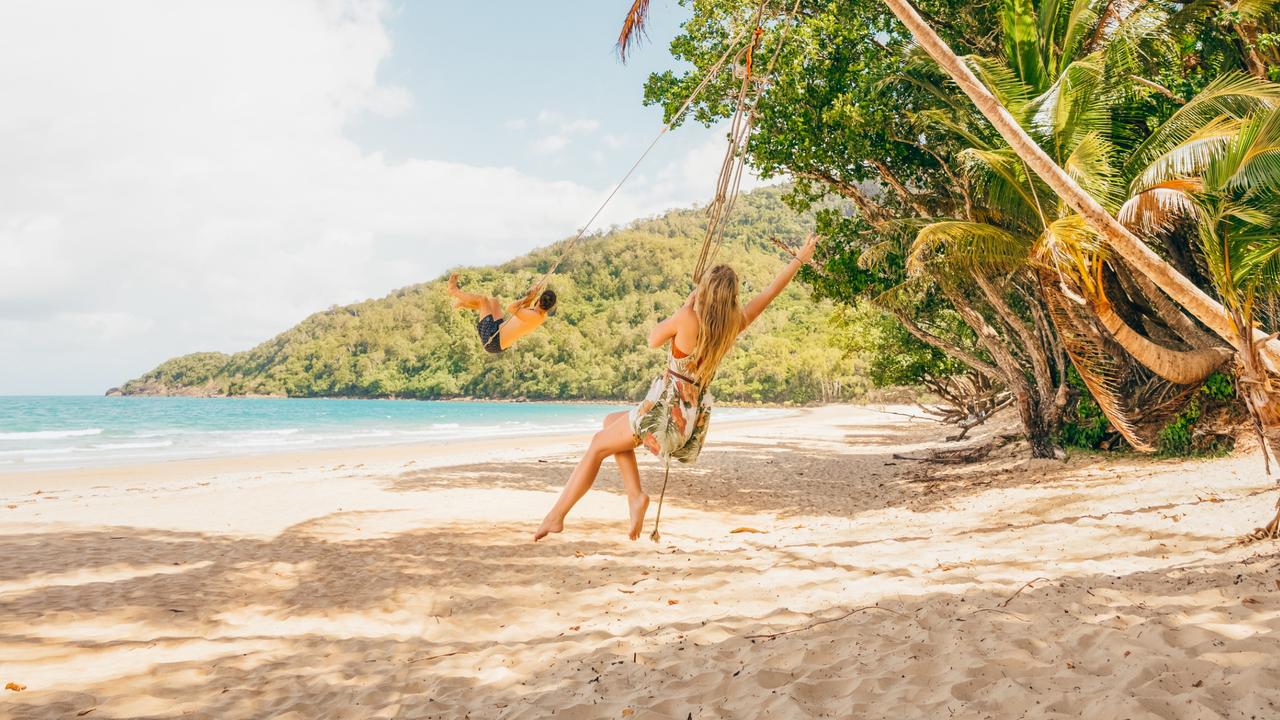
(953, 456)
(964, 455)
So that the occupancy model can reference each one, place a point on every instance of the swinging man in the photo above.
(497, 333)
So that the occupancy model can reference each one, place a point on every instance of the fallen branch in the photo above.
(907, 415)
(770, 636)
(1024, 587)
(997, 610)
(956, 456)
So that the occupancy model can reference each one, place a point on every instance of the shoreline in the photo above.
(510, 401)
(371, 458)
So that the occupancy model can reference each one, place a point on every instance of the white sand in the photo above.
(353, 584)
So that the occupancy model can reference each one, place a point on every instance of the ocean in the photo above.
(45, 432)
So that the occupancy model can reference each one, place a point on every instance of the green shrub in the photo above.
(1083, 424)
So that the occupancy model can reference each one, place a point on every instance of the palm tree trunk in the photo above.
(1125, 243)
(1184, 367)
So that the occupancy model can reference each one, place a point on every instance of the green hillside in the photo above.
(612, 288)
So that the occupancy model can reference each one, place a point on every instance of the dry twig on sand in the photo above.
(1024, 587)
(770, 636)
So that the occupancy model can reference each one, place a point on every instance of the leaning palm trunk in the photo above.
(1183, 367)
(1125, 243)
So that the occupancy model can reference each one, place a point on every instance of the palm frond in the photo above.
(954, 122)
(1137, 32)
(1001, 175)
(957, 244)
(1012, 91)
(1158, 207)
(632, 27)
(1022, 42)
(1080, 23)
(1089, 164)
(1190, 157)
(1070, 246)
(876, 256)
(905, 294)
(1256, 155)
(1069, 107)
(1235, 94)
(1253, 10)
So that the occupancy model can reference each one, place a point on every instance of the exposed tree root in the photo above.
(1270, 531)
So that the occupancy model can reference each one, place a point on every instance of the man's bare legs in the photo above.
(482, 304)
(615, 439)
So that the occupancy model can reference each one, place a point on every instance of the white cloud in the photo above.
(561, 131)
(177, 178)
(549, 144)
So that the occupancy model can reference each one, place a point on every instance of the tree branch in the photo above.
(909, 197)
(873, 213)
(950, 349)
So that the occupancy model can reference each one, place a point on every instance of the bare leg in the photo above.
(637, 501)
(470, 301)
(615, 438)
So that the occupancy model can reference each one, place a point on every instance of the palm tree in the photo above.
(1224, 179)
(1061, 77)
(1143, 260)
(1119, 238)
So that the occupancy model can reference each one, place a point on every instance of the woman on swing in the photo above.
(672, 420)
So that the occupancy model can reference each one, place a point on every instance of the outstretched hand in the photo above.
(810, 244)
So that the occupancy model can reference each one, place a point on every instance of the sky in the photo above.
(181, 176)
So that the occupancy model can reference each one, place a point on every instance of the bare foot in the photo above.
(454, 291)
(639, 507)
(549, 525)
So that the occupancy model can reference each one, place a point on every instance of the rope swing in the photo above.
(741, 48)
(747, 102)
(729, 182)
(666, 127)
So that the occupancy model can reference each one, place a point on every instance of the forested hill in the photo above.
(612, 288)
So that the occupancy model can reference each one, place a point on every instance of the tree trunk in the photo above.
(1039, 415)
(1039, 434)
(949, 349)
(1183, 367)
(1125, 243)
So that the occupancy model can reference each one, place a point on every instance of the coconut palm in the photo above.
(1119, 238)
(1223, 178)
(1062, 77)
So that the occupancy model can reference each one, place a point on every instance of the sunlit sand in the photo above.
(802, 572)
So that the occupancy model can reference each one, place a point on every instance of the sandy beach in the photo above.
(802, 571)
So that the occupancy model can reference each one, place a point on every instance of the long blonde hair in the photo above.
(719, 321)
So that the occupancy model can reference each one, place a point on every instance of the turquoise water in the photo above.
(58, 431)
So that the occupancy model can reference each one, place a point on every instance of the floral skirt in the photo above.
(672, 420)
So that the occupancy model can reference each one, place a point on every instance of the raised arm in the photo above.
(525, 301)
(757, 304)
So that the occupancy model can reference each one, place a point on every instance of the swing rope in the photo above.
(666, 127)
(729, 182)
(666, 474)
